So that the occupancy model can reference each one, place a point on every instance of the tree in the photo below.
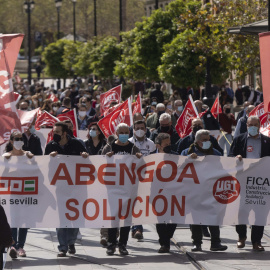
(53, 58)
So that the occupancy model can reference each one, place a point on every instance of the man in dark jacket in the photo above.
(185, 143)
(165, 121)
(63, 144)
(66, 106)
(251, 144)
(157, 93)
(32, 141)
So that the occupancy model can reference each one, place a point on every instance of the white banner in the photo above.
(49, 192)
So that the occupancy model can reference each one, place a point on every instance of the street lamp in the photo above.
(58, 4)
(28, 7)
(156, 5)
(95, 18)
(121, 17)
(74, 19)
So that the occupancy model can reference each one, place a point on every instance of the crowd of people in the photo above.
(153, 131)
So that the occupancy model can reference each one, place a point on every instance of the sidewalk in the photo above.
(41, 248)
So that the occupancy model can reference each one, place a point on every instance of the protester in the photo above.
(47, 106)
(137, 117)
(96, 140)
(243, 112)
(196, 125)
(202, 146)
(241, 126)
(229, 91)
(121, 146)
(82, 118)
(157, 93)
(62, 144)
(239, 95)
(55, 107)
(90, 111)
(165, 230)
(178, 108)
(152, 121)
(255, 145)
(14, 148)
(66, 106)
(226, 121)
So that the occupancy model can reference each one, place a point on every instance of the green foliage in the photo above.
(53, 58)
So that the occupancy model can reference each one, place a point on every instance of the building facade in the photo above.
(150, 5)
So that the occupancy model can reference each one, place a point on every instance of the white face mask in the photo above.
(55, 109)
(82, 113)
(18, 145)
(206, 145)
(139, 133)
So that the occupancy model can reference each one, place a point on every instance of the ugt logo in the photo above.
(226, 189)
(18, 185)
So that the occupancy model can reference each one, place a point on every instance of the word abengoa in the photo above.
(143, 173)
(69, 191)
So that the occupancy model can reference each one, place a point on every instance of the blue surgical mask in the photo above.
(253, 131)
(32, 130)
(93, 133)
(154, 103)
(123, 138)
(180, 108)
(206, 145)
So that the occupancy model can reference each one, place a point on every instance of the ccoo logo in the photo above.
(226, 189)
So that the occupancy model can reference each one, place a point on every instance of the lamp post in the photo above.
(58, 4)
(95, 18)
(74, 19)
(156, 5)
(28, 7)
(121, 17)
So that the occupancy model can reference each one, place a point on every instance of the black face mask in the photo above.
(227, 111)
(165, 129)
(70, 133)
(167, 149)
(196, 128)
(57, 138)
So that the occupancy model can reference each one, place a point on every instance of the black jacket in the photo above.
(5, 231)
(158, 94)
(239, 146)
(189, 140)
(33, 144)
(174, 137)
(73, 148)
(210, 122)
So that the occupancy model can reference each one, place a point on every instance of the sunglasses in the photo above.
(18, 139)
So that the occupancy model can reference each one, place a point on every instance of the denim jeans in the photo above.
(20, 237)
(66, 237)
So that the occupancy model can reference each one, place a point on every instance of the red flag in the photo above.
(27, 117)
(122, 114)
(137, 105)
(264, 39)
(265, 124)
(106, 98)
(50, 136)
(53, 97)
(9, 123)
(45, 119)
(9, 49)
(258, 110)
(216, 108)
(17, 97)
(183, 126)
(71, 115)
(111, 109)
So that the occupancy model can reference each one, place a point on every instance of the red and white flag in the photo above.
(111, 109)
(9, 49)
(17, 97)
(71, 116)
(122, 114)
(216, 108)
(137, 105)
(183, 126)
(53, 97)
(45, 119)
(265, 124)
(27, 117)
(258, 110)
(113, 94)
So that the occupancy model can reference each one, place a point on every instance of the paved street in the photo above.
(41, 248)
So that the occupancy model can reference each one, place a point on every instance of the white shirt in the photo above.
(146, 146)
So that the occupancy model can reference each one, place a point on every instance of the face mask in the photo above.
(84, 104)
(35, 101)
(123, 138)
(30, 102)
(18, 145)
(57, 138)
(206, 145)
(154, 103)
(139, 133)
(40, 99)
(252, 131)
(180, 108)
(82, 113)
(167, 149)
(32, 130)
(165, 129)
(196, 128)
(98, 96)
(142, 111)
(55, 109)
(169, 107)
(26, 96)
(93, 133)
(70, 133)
(227, 110)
